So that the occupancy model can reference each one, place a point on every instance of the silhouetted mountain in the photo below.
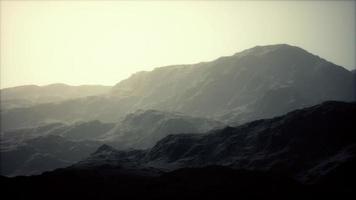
(260, 82)
(108, 183)
(305, 144)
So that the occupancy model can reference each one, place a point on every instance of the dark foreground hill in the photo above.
(308, 153)
(213, 182)
(304, 144)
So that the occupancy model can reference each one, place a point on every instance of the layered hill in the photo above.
(29, 95)
(35, 150)
(306, 145)
(143, 128)
(305, 153)
(260, 82)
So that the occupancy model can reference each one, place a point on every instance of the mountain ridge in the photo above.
(291, 144)
(138, 130)
(234, 89)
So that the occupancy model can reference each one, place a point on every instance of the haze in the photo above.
(95, 42)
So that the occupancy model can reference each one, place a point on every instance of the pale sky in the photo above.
(103, 42)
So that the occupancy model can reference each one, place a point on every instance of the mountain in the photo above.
(29, 95)
(35, 150)
(305, 144)
(44, 153)
(139, 130)
(260, 82)
(306, 153)
(143, 128)
(200, 183)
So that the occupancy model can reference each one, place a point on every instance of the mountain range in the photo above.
(29, 95)
(260, 82)
(304, 144)
(272, 121)
(29, 151)
(306, 153)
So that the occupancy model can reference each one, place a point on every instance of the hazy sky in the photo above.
(96, 42)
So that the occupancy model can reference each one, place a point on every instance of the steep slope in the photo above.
(305, 144)
(260, 82)
(143, 128)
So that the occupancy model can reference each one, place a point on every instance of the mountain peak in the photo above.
(267, 49)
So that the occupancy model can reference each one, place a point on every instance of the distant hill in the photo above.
(28, 95)
(35, 150)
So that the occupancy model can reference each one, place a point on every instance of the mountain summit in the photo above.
(263, 81)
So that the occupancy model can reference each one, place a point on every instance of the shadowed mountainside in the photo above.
(35, 150)
(64, 144)
(270, 158)
(304, 144)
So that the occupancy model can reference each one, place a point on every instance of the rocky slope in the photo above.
(304, 144)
